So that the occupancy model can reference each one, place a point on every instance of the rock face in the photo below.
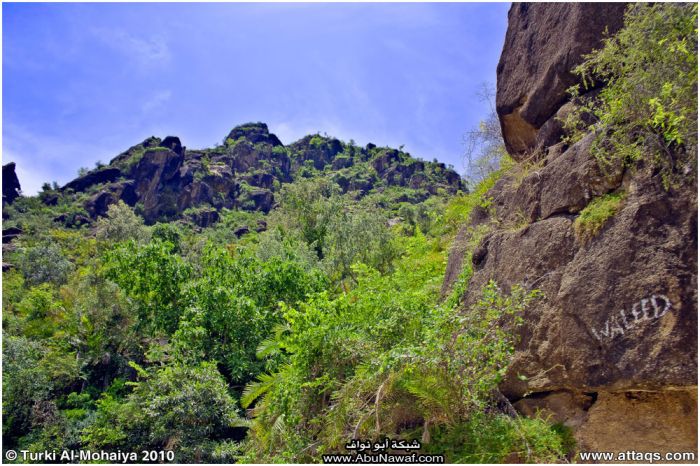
(204, 217)
(111, 193)
(543, 44)
(167, 180)
(611, 349)
(10, 234)
(104, 175)
(172, 143)
(255, 133)
(10, 184)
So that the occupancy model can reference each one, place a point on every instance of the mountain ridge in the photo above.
(164, 179)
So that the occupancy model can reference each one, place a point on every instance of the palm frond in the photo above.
(255, 390)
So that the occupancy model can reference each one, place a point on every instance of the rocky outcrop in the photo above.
(611, 303)
(319, 150)
(258, 199)
(100, 176)
(10, 234)
(72, 220)
(543, 44)
(241, 231)
(168, 181)
(157, 178)
(611, 348)
(618, 321)
(132, 155)
(204, 217)
(256, 133)
(10, 184)
(172, 143)
(99, 203)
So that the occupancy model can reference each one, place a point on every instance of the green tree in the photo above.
(24, 384)
(121, 224)
(485, 148)
(308, 206)
(45, 263)
(357, 237)
(152, 276)
(186, 409)
(233, 306)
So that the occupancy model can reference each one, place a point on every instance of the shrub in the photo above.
(592, 218)
(185, 409)
(309, 206)
(647, 109)
(45, 263)
(385, 359)
(167, 232)
(121, 224)
(23, 383)
(460, 207)
(234, 305)
(357, 237)
(152, 276)
(497, 438)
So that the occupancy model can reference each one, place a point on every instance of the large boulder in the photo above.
(254, 132)
(10, 184)
(10, 234)
(610, 350)
(544, 42)
(258, 199)
(204, 217)
(614, 338)
(98, 204)
(173, 143)
(99, 176)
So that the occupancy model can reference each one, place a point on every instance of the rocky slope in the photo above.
(167, 181)
(611, 350)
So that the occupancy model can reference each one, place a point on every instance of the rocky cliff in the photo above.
(611, 349)
(10, 184)
(543, 44)
(167, 181)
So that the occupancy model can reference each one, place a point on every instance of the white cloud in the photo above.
(31, 175)
(159, 99)
(145, 51)
(42, 159)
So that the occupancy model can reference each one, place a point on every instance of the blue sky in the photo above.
(83, 82)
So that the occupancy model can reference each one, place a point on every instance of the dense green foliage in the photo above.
(326, 326)
(647, 109)
(280, 336)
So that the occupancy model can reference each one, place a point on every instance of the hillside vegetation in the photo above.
(273, 336)
(255, 302)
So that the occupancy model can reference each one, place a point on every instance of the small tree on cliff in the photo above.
(485, 148)
(648, 108)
